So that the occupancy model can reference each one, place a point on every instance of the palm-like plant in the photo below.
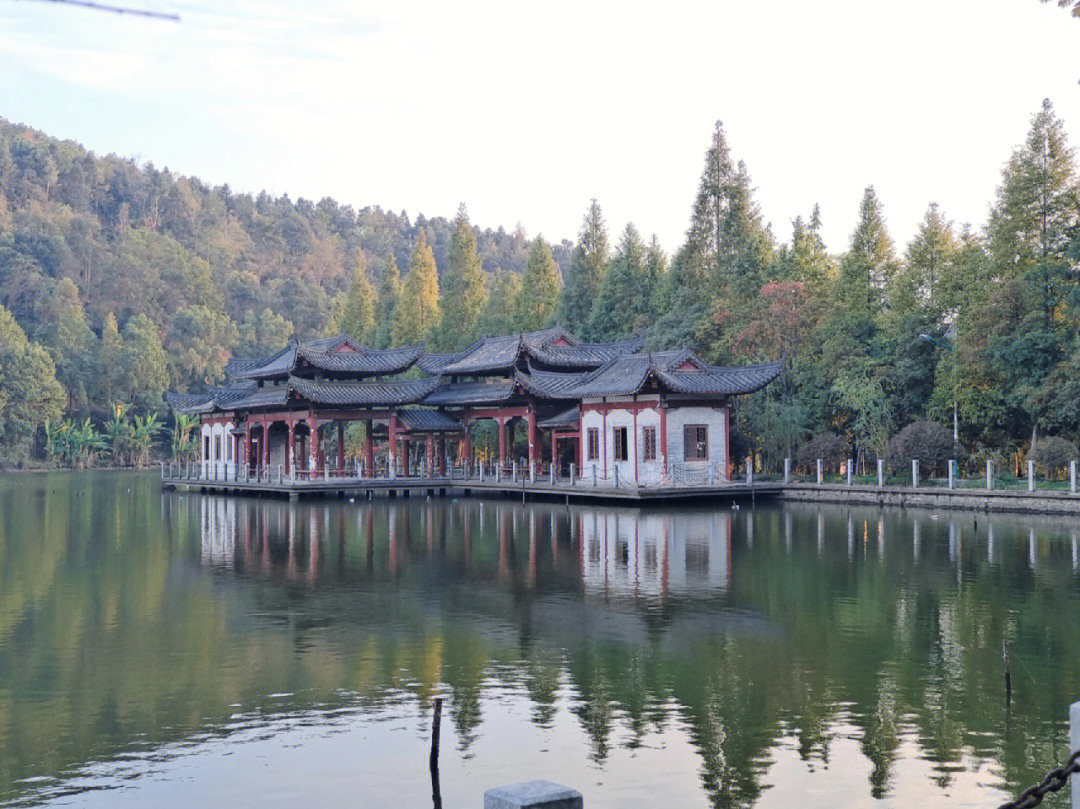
(144, 431)
(120, 433)
(185, 442)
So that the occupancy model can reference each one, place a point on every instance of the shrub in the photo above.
(1052, 454)
(831, 448)
(925, 441)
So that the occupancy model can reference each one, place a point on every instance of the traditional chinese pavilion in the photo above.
(611, 409)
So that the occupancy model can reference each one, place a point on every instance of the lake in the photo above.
(176, 650)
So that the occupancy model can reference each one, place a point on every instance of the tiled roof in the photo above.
(626, 375)
(277, 364)
(365, 393)
(326, 354)
(429, 420)
(550, 384)
(362, 360)
(728, 381)
(568, 417)
(585, 356)
(463, 393)
(436, 363)
(501, 353)
(190, 402)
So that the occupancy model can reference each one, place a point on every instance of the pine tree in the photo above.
(389, 298)
(358, 316)
(418, 311)
(464, 288)
(1035, 217)
(624, 300)
(109, 351)
(499, 313)
(930, 257)
(535, 305)
(869, 266)
(585, 272)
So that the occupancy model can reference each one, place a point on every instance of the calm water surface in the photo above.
(159, 649)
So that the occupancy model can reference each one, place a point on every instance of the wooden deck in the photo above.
(544, 488)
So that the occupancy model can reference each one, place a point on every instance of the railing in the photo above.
(538, 475)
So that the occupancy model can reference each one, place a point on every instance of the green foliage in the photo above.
(418, 312)
(75, 444)
(464, 289)
(389, 298)
(199, 340)
(358, 316)
(924, 441)
(498, 315)
(29, 391)
(262, 334)
(585, 272)
(535, 304)
(185, 438)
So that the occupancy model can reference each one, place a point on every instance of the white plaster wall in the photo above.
(713, 418)
(590, 419)
(220, 462)
(649, 473)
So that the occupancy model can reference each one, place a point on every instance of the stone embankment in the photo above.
(994, 500)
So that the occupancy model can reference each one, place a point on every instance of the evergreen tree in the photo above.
(1035, 217)
(110, 349)
(262, 334)
(930, 258)
(65, 334)
(535, 305)
(464, 288)
(144, 364)
(418, 311)
(624, 300)
(585, 272)
(29, 391)
(389, 298)
(358, 315)
(498, 316)
(870, 264)
(200, 340)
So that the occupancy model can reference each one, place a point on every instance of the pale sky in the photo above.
(526, 112)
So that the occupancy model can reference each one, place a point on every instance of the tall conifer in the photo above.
(585, 272)
(418, 311)
(358, 316)
(464, 288)
(535, 307)
(389, 298)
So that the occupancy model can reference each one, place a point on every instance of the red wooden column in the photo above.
(391, 446)
(554, 448)
(369, 448)
(247, 443)
(313, 449)
(580, 444)
(266, 442)
(663, 434)
(727, 442)
(341, 447)
(534, 440)
(429, 451)
(502, 441)
(290, 456)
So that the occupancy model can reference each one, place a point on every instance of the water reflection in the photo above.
(695, 656)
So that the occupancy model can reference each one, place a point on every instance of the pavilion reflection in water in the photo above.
(622, 552)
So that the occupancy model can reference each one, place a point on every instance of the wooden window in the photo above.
(217, 447)
(695, 442)
(593, 444)
(648, 443)
(619, 439)
(206, 448)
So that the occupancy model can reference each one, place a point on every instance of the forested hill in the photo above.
(117, 281)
